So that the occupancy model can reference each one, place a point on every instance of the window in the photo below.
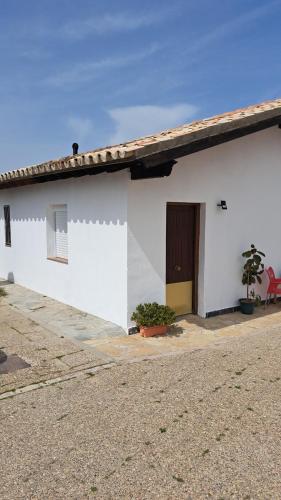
(7, 225)
(61, 233)
(57, 239)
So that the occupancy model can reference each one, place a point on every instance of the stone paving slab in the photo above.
(65, 324)
(63, 319)
(48, 355)
(189, 333)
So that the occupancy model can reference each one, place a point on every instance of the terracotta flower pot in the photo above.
(150, 331)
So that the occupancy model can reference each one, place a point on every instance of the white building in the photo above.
(140, 222)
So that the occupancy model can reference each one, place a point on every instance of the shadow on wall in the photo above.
(82, 219)
(100, 202)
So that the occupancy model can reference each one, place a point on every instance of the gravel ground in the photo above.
(205, 424)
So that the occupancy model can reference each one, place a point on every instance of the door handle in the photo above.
(177, 267)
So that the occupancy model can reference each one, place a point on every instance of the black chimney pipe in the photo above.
(75, 147)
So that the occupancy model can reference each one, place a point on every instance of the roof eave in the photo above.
(214, 135)
(149, 155)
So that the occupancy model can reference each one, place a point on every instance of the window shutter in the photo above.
(7, 225)
(61, 234)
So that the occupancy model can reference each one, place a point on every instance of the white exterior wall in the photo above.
(247, 174)
(117, 229)
(95, 278)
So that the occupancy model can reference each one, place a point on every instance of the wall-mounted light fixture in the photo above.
(222, 205)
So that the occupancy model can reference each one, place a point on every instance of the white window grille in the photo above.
(61, 234)
(57, 233)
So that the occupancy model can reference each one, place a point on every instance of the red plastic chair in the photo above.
(274, 286)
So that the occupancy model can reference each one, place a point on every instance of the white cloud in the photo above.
(88, 71)
(230, 27)
(82, 128)
(35, 53)
(113, 23)
(135, 121)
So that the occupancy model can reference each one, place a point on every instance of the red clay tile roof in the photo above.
(149, 145)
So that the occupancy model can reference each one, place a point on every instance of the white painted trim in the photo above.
(53, 251)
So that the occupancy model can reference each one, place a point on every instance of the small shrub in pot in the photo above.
(153, 319)
(252, 272)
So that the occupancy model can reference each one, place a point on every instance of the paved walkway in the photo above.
(60, 318)
(49, 355)
(109, 342)
(189, 333)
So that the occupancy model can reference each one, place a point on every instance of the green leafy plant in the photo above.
(252, 270)
(153, 314)
(256, 298)
(3, 292)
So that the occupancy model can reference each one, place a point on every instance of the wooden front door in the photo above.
(181, 255)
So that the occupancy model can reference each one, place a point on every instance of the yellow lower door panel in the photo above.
(179, 297)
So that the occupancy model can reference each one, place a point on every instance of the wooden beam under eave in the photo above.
(210, 141)
(141, 171)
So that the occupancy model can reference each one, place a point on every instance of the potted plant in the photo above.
(252, 271)
(153, 319)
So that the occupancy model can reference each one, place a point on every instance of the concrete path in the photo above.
(50, 356)
(60, 318)
(189, 333)
(203, 424)
(108, 341)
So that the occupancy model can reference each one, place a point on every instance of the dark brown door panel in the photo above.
(180, 236)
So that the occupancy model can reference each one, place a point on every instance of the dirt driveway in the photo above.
(204, 424)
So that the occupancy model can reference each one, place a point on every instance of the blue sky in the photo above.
(105, 71)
